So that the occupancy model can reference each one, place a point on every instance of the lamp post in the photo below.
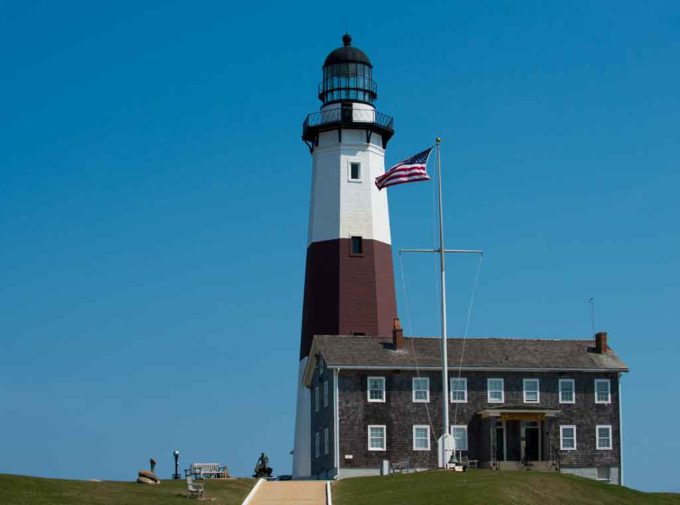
(175, 453)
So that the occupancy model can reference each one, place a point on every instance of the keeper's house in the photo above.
(551, 405)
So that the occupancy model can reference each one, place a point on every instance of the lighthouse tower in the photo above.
(349, 280)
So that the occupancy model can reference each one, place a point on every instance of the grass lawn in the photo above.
(16, 490)
(482, 487)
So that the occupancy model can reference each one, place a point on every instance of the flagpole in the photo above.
(442, 265)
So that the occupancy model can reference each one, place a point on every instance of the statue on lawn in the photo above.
(262, 468)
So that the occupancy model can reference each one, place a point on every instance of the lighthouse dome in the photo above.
(347, 54)
(347, 76)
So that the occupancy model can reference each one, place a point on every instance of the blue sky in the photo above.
(154, 194)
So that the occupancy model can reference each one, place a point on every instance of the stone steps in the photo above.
(309, 492)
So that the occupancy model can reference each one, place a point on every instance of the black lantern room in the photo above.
(347, 76)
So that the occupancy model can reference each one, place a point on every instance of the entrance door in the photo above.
(346, 111)
(500, 443)
(531, 442)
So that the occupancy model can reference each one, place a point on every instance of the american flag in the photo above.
(411, 169)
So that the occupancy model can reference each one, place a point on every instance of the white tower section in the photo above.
(345, 201)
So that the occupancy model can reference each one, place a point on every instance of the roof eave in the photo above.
(475, 369)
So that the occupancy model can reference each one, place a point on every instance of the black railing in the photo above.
(339, 115)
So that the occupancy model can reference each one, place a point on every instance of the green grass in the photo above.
(485, 486)
(16, 490)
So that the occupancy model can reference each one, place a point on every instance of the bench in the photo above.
(195, 490)
(401, 466)
(200, 471)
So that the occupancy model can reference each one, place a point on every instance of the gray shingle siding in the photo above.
(399, 413)
(319, 421)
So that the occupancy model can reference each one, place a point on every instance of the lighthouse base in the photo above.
(302, 452)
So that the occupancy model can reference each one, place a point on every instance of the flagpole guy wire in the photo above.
(442, 251)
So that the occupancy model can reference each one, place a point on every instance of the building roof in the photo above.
(342, 351)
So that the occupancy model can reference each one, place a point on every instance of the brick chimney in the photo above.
(397, 334)
(601, 346)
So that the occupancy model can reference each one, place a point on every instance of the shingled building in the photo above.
(515, 404)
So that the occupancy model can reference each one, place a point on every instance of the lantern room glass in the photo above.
(347, 81)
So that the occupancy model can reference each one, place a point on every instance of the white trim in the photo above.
(325, 441)
(597, 437)
(368, 389)
(609, 391)
(419, 426)
(573, 391)
(384, 427)
(250, 496)
(562, 427)
(413, 388)
(329, 498)
(538, 390)
(464, 428)
(488, 390)
(325, 393)
(465, 390)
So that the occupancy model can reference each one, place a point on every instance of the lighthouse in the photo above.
(349, 278)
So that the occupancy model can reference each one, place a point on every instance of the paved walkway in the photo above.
(308, 492)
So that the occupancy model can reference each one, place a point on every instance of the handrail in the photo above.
(362, 116)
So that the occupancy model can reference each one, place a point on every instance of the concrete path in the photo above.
(293, 492)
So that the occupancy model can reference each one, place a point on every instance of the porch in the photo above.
(519, 439)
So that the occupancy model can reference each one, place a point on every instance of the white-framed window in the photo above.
(325, 394)
(316, 399)
(421, 389)
(459, 432)
(325, 440)
(604, 437)
(532, 392)
(458, 390)
(376, 389)
(421, 437)
(568, 437)
(354, 171)
(602, 391)
(376, 437)
(494, 391)
(317, 449)
(567, 391)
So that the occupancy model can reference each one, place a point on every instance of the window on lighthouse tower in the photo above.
(356, 246)
(355, 171)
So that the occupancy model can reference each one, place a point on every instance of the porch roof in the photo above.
(518, 411)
